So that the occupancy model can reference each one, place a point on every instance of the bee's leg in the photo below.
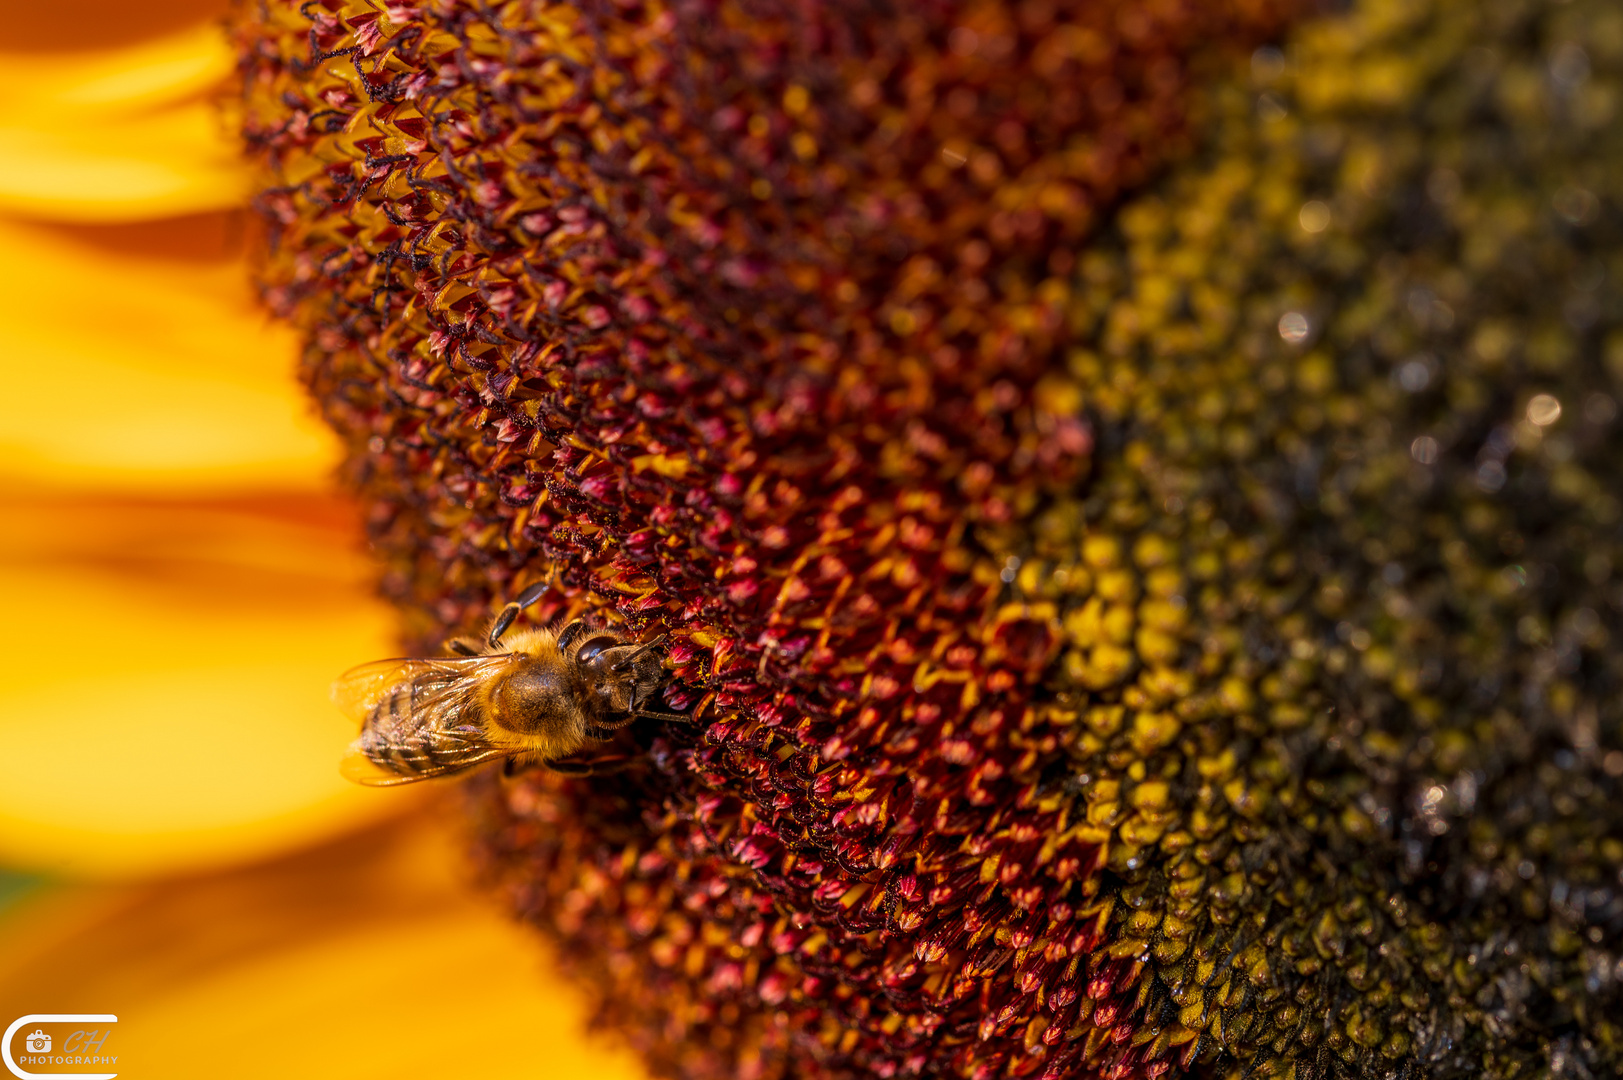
(599, 766)
(638, 709)
(660, 714)
(605, 729)
(504, 620)
(518, 764)
(570, 635)
(461, 646)
(605, 766)
(570, 768)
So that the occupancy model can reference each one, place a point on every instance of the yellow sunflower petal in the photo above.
(170, 162)
(178, 593)
(122, 369)
(115, 81)
(366, 958)
(164, 667)
(118, 134)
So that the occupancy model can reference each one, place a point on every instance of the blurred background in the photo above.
(180, 584)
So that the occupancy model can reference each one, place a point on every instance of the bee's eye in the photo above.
(593, 647)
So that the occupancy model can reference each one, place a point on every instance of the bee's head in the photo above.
(624, 675)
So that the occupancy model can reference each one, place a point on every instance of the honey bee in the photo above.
(539, 697)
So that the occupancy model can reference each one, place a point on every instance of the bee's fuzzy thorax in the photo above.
(539, 642)
(536, 726)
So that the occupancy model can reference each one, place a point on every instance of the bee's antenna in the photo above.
(504, 621)
(625, 661)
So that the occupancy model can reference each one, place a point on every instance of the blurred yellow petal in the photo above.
(31, 28)
(178, 593)
(131, 371)
(118, 134)
(167, 163)
(164, 667)
(367, 958)
(106, 83)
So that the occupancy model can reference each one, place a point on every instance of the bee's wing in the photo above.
(358, 690)
(416, 714)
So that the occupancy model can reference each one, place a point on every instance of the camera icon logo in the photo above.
(39, 1043)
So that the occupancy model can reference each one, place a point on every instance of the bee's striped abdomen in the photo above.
(414, 730)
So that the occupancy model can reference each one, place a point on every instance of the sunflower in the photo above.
(181, 582)
(1131, 492)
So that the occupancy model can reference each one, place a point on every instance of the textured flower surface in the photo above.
(1130, 623)
(179, 581)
